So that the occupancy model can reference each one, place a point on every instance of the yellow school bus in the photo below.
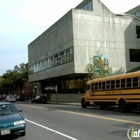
(121, 90)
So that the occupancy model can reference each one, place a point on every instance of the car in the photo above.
(12, 123)
(20, 98)
(40, 99)
(1, 98)
(10, 99)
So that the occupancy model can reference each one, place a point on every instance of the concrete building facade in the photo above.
(58, 57)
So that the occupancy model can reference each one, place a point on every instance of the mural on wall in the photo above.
(103, 64)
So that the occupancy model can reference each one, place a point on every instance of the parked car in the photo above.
(1, 98)
(11, 121)
(20, 98)
(10, 99)
(40, 99)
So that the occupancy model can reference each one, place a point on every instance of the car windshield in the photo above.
(6, 109)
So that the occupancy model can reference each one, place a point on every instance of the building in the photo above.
(58, 57)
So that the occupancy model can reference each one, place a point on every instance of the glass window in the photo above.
(96, 86)
(108, 85)
(46, 63)
(71, 54)
(137, 13)
(138, 31)
(117, 83)
(38, 65)
(89, 6)
(92, 86)
(135, 82)
(50, 62)
(128, 80)
(99, 85)
(68, 55)
(85, 7)
(58, 59)
(122, 83)
(112, 84)
(103, 85)
(42, 65)
(134, 55)
(64, 57)
(55, 60)
(61, 58)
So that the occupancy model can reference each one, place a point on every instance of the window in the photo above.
(99, 85)
(128, 82)
(138, 31)
(71, 54)
(58, 59)
(134, 55)
(50, 62)
(103, 85)
(137, 13)
(68, 55)
(88, 6)
(95, 86)
(108, 85)
(112, 84)
(117, 83)
(55, 60)
(64, 57)
(122, 83)
(92, 87)
(135, 82)
(46, 63)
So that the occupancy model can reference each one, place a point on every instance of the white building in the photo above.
(58, 57)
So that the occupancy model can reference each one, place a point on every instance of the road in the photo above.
(64, 122)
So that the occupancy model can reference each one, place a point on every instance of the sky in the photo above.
(22, 21)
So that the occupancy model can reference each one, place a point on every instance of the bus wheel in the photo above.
(83, 103)
(122, 105)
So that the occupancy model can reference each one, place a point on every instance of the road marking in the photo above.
(100, 117)
(52, 130)
(94, 116)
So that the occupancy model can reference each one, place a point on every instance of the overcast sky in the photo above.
(21, 21)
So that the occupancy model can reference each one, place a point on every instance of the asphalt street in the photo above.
(69, 122)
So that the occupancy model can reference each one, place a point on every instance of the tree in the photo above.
(99, 67)
(15, 78)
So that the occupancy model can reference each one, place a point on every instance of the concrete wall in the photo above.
(113, 36)
(88, 32)
(66, 97)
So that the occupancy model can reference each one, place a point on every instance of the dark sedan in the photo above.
(43, 98)
(11, 121)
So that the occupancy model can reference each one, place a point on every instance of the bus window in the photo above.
(96, 86)
(112, 84)
(108, 85)
(135, 82)
(87, 87)
(122, 83)
(117, 83)
(128, 82)
(103, 85)
(99, 85)
(92, 87)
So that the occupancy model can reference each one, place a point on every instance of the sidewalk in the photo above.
(59, 102)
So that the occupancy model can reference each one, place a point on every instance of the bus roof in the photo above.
(114, 77)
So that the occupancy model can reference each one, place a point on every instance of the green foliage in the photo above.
(98, 69)
(13, 79)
